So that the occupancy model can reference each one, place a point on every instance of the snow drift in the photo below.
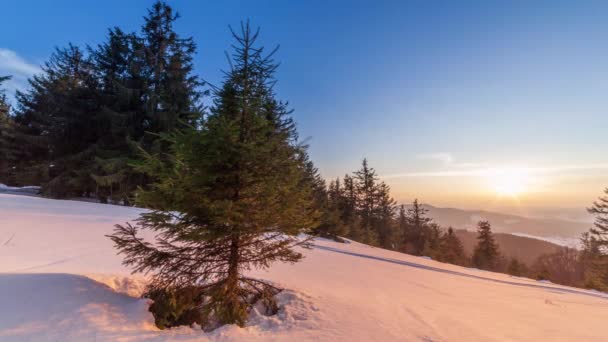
(62, 281)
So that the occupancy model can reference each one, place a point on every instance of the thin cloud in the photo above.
(447, 160)
(11, 64)
(442, 157)
(487, 171)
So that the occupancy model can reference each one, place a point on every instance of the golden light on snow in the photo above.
(509, 182)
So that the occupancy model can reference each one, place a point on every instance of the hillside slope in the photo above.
(62, 281)
(525, 249)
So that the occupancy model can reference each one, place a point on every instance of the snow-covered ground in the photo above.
(28, 190)
(61, 281)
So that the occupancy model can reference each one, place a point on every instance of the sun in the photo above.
(508, 182)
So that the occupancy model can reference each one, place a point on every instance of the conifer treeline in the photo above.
(84, 119)
(359, 206)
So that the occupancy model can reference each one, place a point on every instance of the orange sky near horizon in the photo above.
(490, 189)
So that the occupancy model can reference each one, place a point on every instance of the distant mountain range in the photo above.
(521, 237)
(554, 230)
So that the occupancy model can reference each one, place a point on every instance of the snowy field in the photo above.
(60, 280)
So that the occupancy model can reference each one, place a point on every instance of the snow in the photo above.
(32, 190)
(61, 280)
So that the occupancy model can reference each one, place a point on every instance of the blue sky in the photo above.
(431, 92)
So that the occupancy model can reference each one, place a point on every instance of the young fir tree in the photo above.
(418, 226)
(486, 255)
(233, 196)
(451, 249)
(366, 186)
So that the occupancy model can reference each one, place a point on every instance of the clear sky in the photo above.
(465, 104)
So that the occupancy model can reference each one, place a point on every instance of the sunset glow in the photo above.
(508, 182)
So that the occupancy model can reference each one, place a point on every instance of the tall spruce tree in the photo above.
(384, 215)
(366, 186)
(149, 88)
(60, 132)
(418, 229)
(486, 254)
(349, 215)
(402, 227)
(231, 198)
(122, 87)
(172, 89)
(85, 114)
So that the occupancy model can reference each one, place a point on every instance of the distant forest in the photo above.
(128, 122)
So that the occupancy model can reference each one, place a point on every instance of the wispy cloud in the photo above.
(484, 171)
(447, 160)
(443, 157)
(11, 64)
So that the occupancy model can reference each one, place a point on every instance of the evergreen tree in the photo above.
(172, 90)
(486, 255)
(60, 133)
(432, 243)
(148, 89)
(594, 262)
(451, 249)
(349, 214)
(122, 87)
(85, 117)
(516, 268)
(402, 226)
(332, 224)
(8, 148)
(599, 209)
(335, 193)
(366, 187)
(594, 246)
(384, 214)
(418, 226)
(230, 198)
